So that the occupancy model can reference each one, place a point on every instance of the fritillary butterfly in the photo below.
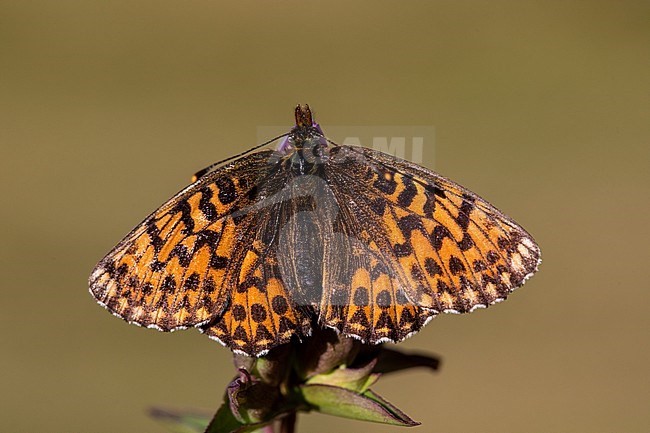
(266, 245)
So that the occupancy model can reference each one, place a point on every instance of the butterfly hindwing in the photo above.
(260, 313)
(363, 297)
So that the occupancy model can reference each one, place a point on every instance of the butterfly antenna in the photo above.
(199, 174)
(331, 142)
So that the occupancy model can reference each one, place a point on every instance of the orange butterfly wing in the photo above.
(422, 245)
(178, 267)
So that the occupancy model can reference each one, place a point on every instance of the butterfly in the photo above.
(265, 246)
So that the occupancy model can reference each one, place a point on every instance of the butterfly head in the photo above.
(305, 146)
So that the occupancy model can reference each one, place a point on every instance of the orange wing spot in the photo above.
(400, 213)
(249, 263)
(275, 289)
(173, 239)
(199, 219)
(358, 320)
(179, 316)
(189, 242)
(202, 314)
(189, 284)
(419, 201)
(258, 273)
(429, 225)
(193, 201)
(399, 180)
(447, 301)
(456, 198)
(361, 278)
(446, 209)
(227, 242)
(127, 260)
(423, 250)
(173, 270)
(162, 222)
(200, 262)
(239, 318)
(356, 328)
(218, 276)
(220, 207)
(382, 282)
(445, 216)
(258, 245)
(494, 234)
(395, 234)
(141, 244)
(480, 239)
(261, 322)
(411, 269)
(146, 259)
(450, 249)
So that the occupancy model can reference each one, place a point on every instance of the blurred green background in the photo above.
(543, 108)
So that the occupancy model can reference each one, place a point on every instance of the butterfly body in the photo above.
(260, 250)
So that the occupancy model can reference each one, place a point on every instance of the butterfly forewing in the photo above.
(174, 270)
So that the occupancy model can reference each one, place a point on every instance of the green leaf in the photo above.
(354, 379)
(388, 406)
(333, 400)
(180, 421)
